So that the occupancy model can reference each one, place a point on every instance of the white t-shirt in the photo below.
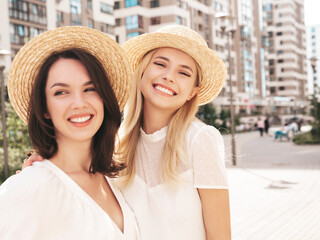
(42, 202)
(165, 213)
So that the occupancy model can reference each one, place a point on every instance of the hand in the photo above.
(29, 161)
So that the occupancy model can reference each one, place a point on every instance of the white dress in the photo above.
(165, 213)
(42, 202)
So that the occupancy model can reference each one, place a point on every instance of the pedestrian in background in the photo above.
(266, 125)
(260, 126)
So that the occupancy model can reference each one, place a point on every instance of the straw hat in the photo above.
(213, 69)
(32, 55)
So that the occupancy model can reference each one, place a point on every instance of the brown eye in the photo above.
(60, 92)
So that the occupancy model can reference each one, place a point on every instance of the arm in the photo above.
(216, 213)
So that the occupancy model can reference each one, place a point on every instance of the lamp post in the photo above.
(230, 35)
(313, 61)
(3, 53)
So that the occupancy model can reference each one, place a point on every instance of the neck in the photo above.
(154, 119)
(73, 156)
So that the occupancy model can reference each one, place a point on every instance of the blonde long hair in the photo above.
(174, 152)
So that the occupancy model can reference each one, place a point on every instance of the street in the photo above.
(274, 189)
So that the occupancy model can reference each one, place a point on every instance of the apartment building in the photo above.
(134, 17)
(25, 19)
(313, 51)
(285, 55)
(268, 57)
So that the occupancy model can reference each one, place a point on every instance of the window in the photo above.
(282, 88)
(116, 5)
(34, 32)
(155, 20)
(280, 61)
(279, 24)
(133, 34)
(90, 23)
(132, 3)
(106, 8)
(106, 28)
(59, 16)
(132, 22)
(89, 4)
(279, 33)
(280, 52)
(271, 62)
(272, 89)
(280, 79)
(154, 3)
(118, 22)
(270, 34)
(75, 7)
(271, 71)
(267, 7)
(269, 15)
(180, 20)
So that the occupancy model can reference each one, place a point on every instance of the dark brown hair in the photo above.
(41, 130)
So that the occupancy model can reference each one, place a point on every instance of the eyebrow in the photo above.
(60, 84)
(167, 59)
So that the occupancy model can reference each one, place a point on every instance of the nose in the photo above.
(168, 75)
(78, 101)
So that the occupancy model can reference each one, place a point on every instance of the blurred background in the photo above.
(272, 51)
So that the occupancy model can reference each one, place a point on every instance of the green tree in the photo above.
(18, 141)
(207, 113)
(315, 112)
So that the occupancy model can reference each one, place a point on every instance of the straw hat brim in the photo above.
(26, 64)
(213, 69)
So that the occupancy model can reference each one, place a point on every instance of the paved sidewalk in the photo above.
(274, 189)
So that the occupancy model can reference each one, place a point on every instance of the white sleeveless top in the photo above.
(164, 213)
(42, 202)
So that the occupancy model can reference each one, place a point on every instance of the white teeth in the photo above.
(164, 90)
(80, 119)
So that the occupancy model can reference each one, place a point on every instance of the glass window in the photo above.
(59, 16)
(90, 23)
(106, 8)
(118, 22)
(267, 7)
(132, 22)
(133, 34)
(21, 30)
(154, 3)
(179, 20)
(75, 6)
(155, 20)
(132, 3)
(89, 4)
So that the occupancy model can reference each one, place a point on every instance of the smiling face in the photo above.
(73, 105)
(169, 80)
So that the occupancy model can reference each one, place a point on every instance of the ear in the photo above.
(47, 116)
(194, 91)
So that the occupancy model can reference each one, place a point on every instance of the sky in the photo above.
(312, 12)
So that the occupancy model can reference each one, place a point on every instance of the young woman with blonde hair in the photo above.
(175, 180)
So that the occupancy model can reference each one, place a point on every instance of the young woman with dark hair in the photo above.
(71, 99)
